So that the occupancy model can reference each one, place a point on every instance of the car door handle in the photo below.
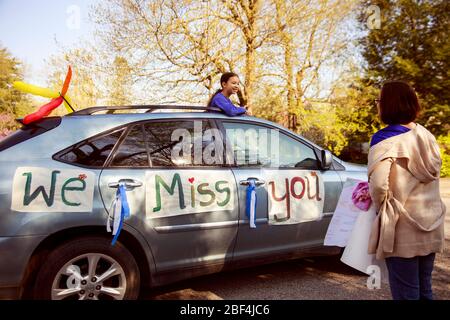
(258, 182)
(129, 183)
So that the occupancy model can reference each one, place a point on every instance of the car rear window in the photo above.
(91, 152)
(29, 131)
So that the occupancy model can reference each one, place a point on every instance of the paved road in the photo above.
(312, 278)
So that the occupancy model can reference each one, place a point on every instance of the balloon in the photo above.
(43, 111)
(57, 98)
(39, 91)
(66, 82)
(68, 104)
(48, 93)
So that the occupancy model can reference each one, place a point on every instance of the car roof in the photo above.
(76, 127)
(105, 122)
(153, 112)
(109, 121)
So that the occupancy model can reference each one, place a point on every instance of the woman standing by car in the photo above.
(404, 168)
(229, 82)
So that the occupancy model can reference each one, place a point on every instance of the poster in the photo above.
(355, 254)
(344, 217)
(350, 227)
(52, 190)
(178, 192)
(294, 196)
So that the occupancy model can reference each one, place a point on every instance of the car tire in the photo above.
(88, 268)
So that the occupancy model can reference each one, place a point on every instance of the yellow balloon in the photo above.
(69, 110)
(39, 91)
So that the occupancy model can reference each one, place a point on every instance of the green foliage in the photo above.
(412, 44)
(120, 87)
(321, 124)
(9, 72)
(271, 105)
(317, 121)
(444, 143)
(355, 105)
(13, 103)
(7, 124)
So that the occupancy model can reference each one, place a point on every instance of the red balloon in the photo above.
(43, 111)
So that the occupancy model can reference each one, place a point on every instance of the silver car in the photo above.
(205, 193)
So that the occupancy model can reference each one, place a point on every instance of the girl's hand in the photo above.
(242, 101)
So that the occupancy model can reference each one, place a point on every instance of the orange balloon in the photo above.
(66, 82)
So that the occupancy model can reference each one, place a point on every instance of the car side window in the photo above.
(182, 143)
(132, 152)
(247, 145)
(294, 154)
(253, 145)
(91, 152)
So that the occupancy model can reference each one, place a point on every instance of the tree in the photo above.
(185, 43)
(308, 34)
(13, 103)
(10, 71)
(87, 87)
(412, 44)
(355, 107)
(120, 90)
(184, 46)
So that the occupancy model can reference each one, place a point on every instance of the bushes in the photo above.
(444, 144)
(7, 124)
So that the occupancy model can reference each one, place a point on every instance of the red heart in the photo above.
(191, 180)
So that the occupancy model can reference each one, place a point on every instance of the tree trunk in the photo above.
(289, 118)
(249, 76)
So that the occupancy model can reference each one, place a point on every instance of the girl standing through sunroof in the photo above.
(229, 83)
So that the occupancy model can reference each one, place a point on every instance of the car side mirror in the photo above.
(327, 160)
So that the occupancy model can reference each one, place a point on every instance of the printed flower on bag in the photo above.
(361, 196)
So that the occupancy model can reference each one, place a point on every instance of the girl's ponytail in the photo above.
(212, 97)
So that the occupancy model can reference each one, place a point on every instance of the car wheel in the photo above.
(88, 268)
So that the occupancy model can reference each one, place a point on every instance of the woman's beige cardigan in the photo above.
(404, 184)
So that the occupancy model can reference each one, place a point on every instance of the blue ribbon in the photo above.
(124, 210)
(250, 209)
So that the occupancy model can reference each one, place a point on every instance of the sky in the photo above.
(33, 30)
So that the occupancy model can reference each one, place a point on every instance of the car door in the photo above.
(280, 163)
(186, 207)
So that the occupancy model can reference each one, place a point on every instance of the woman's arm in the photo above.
(379, 182)
(226, 105)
